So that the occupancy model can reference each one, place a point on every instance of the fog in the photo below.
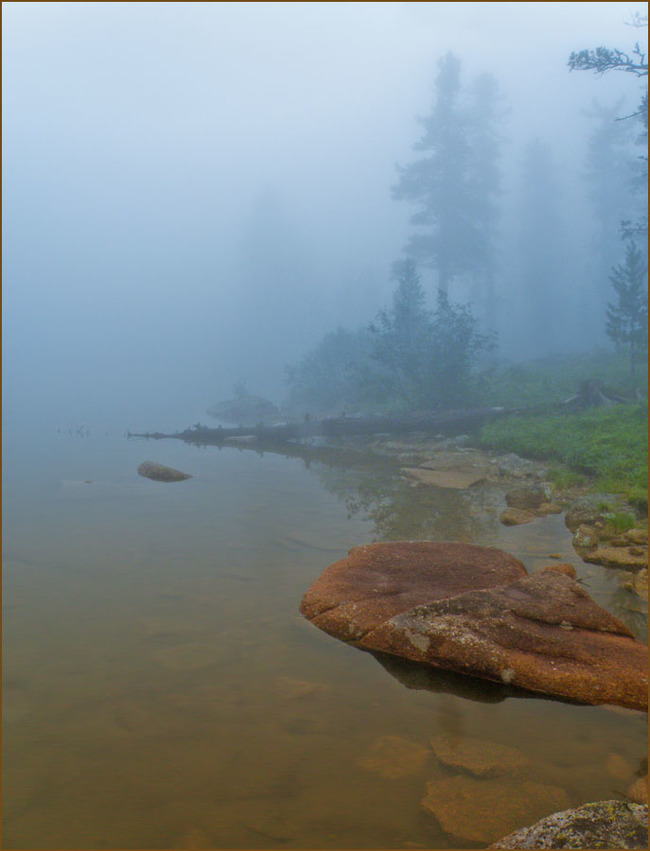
(195, 193)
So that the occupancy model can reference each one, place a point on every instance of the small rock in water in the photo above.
(516, 516)
(161, 473)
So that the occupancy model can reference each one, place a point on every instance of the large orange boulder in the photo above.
(475, 610)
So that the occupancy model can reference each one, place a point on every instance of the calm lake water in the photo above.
(161, 690)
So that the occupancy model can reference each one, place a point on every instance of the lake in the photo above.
(161, 690)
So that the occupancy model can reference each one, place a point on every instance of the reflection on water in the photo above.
(162, 691)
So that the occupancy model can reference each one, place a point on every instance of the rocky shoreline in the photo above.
(591, 517)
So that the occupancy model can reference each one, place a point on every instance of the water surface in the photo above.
(161, 690)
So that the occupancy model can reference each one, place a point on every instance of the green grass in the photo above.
(610, 445)
(620, 521)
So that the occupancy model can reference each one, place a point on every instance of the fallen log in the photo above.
(427, 422)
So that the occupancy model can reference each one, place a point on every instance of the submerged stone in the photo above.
(479, 757)
(483, 810)
(393, 757)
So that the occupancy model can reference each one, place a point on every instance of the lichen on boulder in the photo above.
(605, 824)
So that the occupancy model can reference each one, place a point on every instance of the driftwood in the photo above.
(432, 422)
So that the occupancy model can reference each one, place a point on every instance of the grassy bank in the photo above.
(608, 445)
(556, 377)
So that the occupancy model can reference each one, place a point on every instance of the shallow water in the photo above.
(160, 689)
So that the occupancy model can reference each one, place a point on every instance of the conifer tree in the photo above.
(627, 320)
(437, 183)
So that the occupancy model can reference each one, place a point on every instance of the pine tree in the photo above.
(609, 174)
(542, 252)
(627, 320)
(402, 338)
(438, 183)
(486, 114)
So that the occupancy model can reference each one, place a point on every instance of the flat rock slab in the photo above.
(476, 611)
(606, 824)
(483, 810)
(456, 479)
(376, 581)
(161, 473)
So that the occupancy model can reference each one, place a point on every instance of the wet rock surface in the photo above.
(625, 558)
(606, 824)
(528, 498)
(161, 473)
(484, 810)
(516, 516)
(474, 610)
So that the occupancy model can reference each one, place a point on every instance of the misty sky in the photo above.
(194, 193)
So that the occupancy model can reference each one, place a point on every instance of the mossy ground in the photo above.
(608, 446)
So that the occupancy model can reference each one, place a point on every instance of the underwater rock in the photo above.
(638, 791)
(161, 473)
(483, 810)
(474, 610)
(605, 824)
(393, 757)
(477, 756)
